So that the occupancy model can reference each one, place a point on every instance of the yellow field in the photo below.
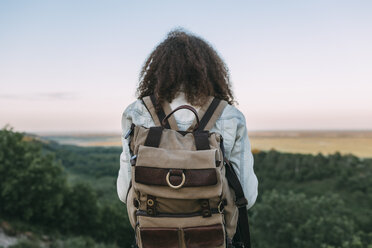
(357, 143)
(359, 146)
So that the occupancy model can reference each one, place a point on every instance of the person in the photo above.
(185, 69)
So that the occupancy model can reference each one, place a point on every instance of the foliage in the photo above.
(93, 161)
(294, 220)
(79, 242)
(34, 189)
(75, 242)
(304, 200)
(26, 244)
(22, 164)
(312, 201)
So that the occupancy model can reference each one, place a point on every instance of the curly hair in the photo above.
(187, 63)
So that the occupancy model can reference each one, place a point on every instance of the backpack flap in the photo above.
(177, 174)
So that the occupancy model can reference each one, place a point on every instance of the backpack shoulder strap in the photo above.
(159, 115)
(242, 235)
(212, 114)
(172, 121)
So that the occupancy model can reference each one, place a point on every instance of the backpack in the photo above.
(184, 192)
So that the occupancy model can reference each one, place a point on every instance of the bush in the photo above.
(31, 184)
(294, 220)
(33, 189)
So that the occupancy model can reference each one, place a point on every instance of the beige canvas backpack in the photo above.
(181, 195)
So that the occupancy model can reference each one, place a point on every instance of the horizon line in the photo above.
(105, 133)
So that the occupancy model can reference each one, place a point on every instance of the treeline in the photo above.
(92, 161)
(312, 201)
(304, 201)
(34, 189)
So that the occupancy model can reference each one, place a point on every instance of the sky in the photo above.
(72, 66)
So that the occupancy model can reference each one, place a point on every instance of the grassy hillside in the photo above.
(304, 200)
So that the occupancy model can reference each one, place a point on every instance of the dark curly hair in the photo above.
(185, 62)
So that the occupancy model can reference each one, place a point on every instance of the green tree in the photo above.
(33, 189)
(31, 183)
(79, 214)
(294, 220)
(114, 225)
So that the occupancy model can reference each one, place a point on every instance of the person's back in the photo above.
(231, 125)
(189, 74)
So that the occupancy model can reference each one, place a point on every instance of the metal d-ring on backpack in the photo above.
(184, 193)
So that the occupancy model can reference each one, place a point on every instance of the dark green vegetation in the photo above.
(312, 201)
(69, 194)
(39, 188)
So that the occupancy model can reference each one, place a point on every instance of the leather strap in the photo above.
(154, 136)
(201, 113)
(157, 176)
(216, 114)
(242, 237)
(172, 121)
(188, 107)
(201, 140)
(208, 114)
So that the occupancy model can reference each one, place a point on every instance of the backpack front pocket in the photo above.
(201, 236)
(155, 237)
(181, 231)
(177, 174)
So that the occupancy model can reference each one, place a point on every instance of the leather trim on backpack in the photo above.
(153, 237)
(196, 237)
(154, 136)
(193, 177)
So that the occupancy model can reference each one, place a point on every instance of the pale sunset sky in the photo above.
(72, 66)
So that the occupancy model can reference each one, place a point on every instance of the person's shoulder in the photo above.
(232, 112)
(135, 107)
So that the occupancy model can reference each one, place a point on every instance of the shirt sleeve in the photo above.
(242, 160)
(124, 175)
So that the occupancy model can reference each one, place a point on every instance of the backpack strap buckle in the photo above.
(221, 206)
(241, 202)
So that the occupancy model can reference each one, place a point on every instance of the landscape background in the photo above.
(355, 142)
(301, 75)
(63, 195)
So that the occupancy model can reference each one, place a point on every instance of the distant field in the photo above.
(358, 143)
